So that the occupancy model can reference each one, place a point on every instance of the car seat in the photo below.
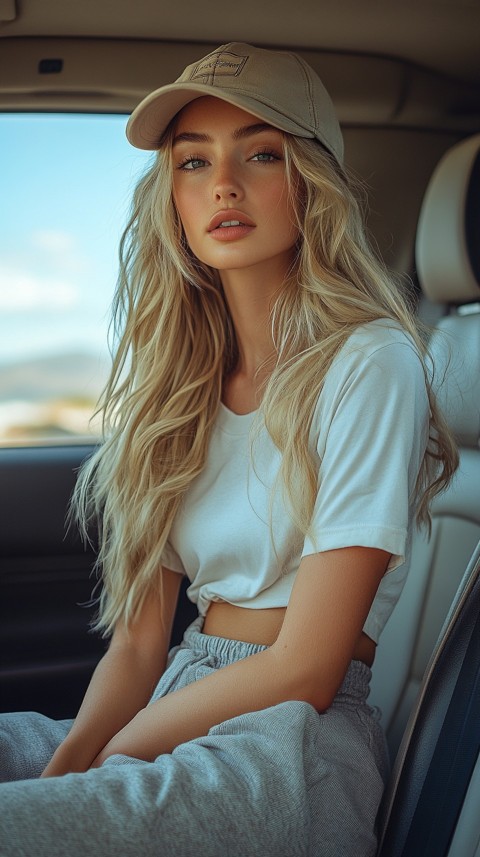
(448, 263)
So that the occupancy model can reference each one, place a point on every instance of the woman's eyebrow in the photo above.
(248, 130)
(238, 134)
(191, 137)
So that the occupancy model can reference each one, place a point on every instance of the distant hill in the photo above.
(62, 376)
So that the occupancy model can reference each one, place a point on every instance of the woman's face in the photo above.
(230, 187)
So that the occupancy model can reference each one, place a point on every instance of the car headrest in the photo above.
(448, 235)
(455, 351)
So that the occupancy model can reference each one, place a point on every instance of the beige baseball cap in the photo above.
(276, 86)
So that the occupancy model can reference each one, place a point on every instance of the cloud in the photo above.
(53, 240)
(21, 290)
(59, 249)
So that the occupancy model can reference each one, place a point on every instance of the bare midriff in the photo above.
(263, 627)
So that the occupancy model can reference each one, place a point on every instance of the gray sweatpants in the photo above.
(280, 782)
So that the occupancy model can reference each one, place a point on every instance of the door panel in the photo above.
(47, 649)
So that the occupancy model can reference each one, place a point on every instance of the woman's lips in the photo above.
(229, 225)
(231, 231)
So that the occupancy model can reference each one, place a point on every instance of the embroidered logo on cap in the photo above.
(224, 63)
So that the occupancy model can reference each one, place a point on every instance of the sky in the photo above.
(65, 194)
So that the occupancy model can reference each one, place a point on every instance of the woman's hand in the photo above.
(67, 759)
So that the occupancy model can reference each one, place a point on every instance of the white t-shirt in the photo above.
(369, 434)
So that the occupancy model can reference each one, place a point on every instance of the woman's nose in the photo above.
(227, 185)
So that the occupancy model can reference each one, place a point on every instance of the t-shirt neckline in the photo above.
(233, 423)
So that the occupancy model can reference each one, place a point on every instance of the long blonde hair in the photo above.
(176, 344)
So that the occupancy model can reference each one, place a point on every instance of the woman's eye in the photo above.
(191, 164)
(265, 157)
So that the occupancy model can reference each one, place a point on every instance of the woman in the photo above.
(270, 430)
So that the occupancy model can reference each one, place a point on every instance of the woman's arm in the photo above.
(330, 601)
(122, 682)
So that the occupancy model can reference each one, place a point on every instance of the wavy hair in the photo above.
(175, 344)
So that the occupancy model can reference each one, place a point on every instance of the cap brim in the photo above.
(149, 120)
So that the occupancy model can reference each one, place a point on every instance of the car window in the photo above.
(66, 184)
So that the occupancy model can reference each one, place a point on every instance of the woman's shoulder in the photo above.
(377, 355)
(376, 335)
(382, 342)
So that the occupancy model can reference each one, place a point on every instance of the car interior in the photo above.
(405, 80)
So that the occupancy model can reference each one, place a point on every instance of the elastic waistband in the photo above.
(225, 650)
(355, 684)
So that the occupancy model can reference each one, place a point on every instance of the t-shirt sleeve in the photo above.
(371, 426)
(170, 559)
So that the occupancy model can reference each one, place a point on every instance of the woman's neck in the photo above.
(250, 303)
(250, 294)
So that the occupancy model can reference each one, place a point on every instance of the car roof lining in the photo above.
(113, 75)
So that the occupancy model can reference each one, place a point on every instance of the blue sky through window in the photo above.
(66, 189)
